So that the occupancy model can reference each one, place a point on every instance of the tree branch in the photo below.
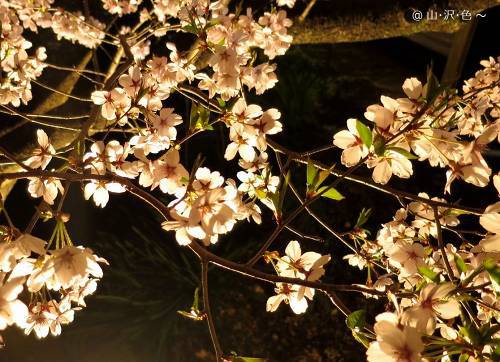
(208, 311)
(361, 180)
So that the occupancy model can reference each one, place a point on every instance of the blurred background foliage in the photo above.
(133, 315)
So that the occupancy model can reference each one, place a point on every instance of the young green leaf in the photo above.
(460, 263)
(282, 193)
(403, 152)
(494, 272)
(426, 272)
(221, 102)
(363, 217)
(432, 88)
(196, 299)
(331, 193)
(312, 173)
(361, 339)
(464, 357)
(357, 319)
(364, 133)
(379, 145)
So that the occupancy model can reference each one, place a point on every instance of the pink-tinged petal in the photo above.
(115, 187)
(389, 103)
(344, 139)
(29, 243)
(42, 138)
(496, 183)
(293, 250)
(352, 126)
(449, 309)
(231, 151)
(253, 111)
(172, 158)
(412, 88)
(490, 244)
(11, 289)
(23, 268)
(298, 306)
(99, 97)
(101, 197)
(401, 167)
(182, 237)
(246, 152)
(351, 156)
(19, 312)
(490, 220)
(274, 302)
(382, 172)
(89, 190)
(308, 259)
(108, 111)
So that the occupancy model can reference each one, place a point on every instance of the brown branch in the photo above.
(363, 181)
(441, 243)
(282, 224)
(13, 158)
(208, 311)
(199, 250)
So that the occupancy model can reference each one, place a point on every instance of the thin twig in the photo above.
(164, 210)
(208, 311)
(81, 99)
(441, 243)
(383, 188)
(11, 157)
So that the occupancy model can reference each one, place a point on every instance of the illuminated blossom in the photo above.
(42, 155)
(349, 140)
(64, 268)
(395, 342)
(12, 310)
(434, 301)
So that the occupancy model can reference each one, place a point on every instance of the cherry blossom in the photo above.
(48, 189)
(99, 191)
(432, 302)
(12, 310)
(64, 268)
(423, 264)
(395, 341)
(353, 148)
(42, 155)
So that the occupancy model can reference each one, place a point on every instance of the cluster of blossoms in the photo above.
(74, 27)
(441, 127)
(44, 270)
(234, 42)
(121, 7)
(406, 256)
(308, 266)
(204, 204)
(17, 67)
